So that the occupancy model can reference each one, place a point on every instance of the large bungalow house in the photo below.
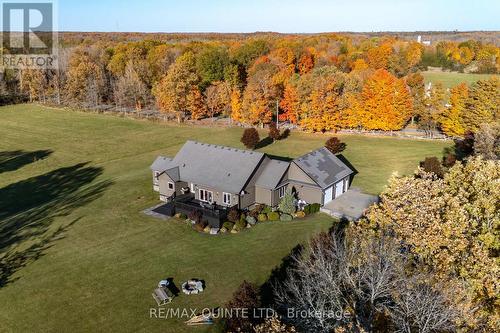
(228, 177)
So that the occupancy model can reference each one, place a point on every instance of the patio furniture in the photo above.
(162, 296)
(192, 287)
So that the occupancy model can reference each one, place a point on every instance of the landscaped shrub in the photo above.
(262, 217)
(300, 214)
(273, 216)
(312, 208)
(256, 210)
(195, 216)
(286, 217)
(266, 209)
(200, 226)
(228, 225)
(315, 208)
(233, 215)
(251, 220)
(241, 224)
(287, 203)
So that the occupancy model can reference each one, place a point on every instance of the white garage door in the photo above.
(328, 195)
(339, 188)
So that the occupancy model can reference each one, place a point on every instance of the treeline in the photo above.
(320, 82)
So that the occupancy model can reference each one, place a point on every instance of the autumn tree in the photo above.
(34, 83)
(211, 64)
(86, 83)
(274, 132)
(218, 98)
(250, 138)
(443, 221)
(487, 141)
(452, 117)
(368, 280)
(432, 165)
(385, 101)
(416, 84)
(236, 105)
(173, 90)
(196, 104)
(334, 145)
(378, 57)
(290, 104)
(434, 108)
(130, 91)
(261, 93)
(483, 104)
(245, 297)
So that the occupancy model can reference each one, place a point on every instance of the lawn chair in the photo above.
(162, 296)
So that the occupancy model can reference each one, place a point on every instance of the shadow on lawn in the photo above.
(28, 208)
(15, 159)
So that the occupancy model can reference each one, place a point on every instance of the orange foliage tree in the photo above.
(386, 102)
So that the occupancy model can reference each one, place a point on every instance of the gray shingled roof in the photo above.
(161, 163)
(223, 168)
(323, 167)
(174, 174)
(271, 174)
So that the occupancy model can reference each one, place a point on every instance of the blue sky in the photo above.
(279, 16)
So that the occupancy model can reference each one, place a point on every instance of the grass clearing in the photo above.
(79, 256)
(451, 79)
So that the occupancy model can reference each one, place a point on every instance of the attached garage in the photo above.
(328, 195)
(336, 190)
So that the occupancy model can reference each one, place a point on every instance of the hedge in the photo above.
(273, 216)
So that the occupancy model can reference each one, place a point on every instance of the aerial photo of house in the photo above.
(319, 166)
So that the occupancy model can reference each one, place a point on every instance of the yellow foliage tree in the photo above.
(451, 121)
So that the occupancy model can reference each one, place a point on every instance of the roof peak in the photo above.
(221, 147)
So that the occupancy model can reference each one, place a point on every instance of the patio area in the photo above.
(351, 205)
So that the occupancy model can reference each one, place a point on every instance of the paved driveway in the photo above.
(350, 205)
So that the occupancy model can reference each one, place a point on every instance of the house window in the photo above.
(171, 186)
(205, 195)
(226, 198)
(282, 191)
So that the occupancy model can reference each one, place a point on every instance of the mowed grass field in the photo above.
(451, 79)
(77, 254)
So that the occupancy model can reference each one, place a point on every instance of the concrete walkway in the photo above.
(350, 205)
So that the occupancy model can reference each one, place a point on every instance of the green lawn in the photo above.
(451, 79)
(76, 253)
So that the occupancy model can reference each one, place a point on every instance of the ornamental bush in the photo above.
(233, 215)
(228, 225)
(286, 217)
(195, 215)
(251, 220)
(240, 225)
(287, 203)
(200, 226)
(300, 214)
(307, 209)
(266, 209)
(315, 208)
(273, 216)
(262, 217)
